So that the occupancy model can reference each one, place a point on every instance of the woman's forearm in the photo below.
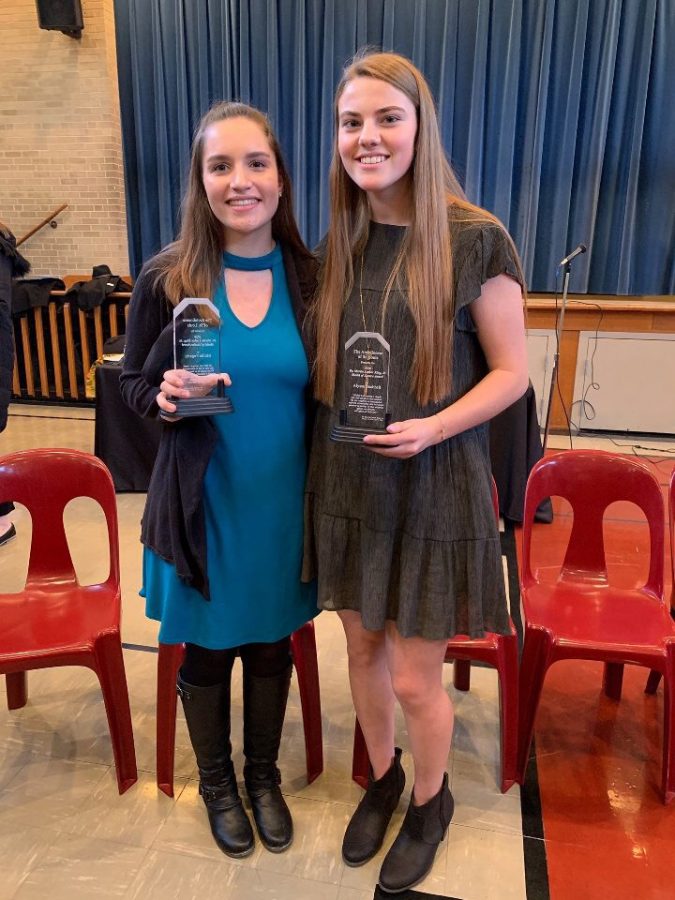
(499, 389)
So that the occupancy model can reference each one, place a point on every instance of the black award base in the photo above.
(354, 434)
(211, 405)
(348, 434)
(203, 406)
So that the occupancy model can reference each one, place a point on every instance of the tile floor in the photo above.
(66, 833)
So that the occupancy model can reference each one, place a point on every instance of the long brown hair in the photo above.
(425, 258)
(192, 264)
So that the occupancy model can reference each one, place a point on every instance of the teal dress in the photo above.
(253, 489)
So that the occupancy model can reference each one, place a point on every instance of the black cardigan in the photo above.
(173, 524)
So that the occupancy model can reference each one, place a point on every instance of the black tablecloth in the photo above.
(127, 444)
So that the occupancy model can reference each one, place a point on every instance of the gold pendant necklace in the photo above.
(365, 327)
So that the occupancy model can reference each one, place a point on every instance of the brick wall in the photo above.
(60, 139)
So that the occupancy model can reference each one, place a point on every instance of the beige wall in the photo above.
(60, 139)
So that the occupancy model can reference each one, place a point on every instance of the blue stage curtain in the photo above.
(556, 114)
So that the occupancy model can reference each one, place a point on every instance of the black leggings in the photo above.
(203, 667)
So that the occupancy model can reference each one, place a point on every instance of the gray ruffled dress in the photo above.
(413, 541)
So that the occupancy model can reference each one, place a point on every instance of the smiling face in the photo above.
(377, 125)
(241, 181)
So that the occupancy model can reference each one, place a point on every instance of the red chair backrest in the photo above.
(45, 481)
(671, 507)
(590, 480)
(495, 499)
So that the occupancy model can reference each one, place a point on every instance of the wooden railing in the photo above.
(56, 345)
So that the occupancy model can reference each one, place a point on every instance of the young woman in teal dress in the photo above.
(222, 527)
(400, 529)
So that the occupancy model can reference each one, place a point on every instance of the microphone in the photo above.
(570, 256)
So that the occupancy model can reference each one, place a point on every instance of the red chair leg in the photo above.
(109, 666)
(508, 709)
(533, 666)
(17, 690)
(303, 648)
(461, 676)
(652, 682)
(169, 659)
(360, 760)
(669, 725)
(612, 680)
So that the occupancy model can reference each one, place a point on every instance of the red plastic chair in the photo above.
(582, 616)
(671, 507)
(655, 677)
(55, 621)
(303, 651)
(497, 650)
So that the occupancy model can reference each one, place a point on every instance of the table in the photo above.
(126, 443)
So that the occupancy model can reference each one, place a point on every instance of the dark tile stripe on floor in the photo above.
(142, 647)
(534, 848)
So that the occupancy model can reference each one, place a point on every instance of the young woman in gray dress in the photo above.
(400, 528)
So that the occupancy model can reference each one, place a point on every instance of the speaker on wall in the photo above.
(61, 15)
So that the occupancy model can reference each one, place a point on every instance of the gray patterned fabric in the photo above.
(414, 541)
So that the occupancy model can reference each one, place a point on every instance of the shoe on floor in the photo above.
(412, 854)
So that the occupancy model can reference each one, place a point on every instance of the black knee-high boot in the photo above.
(265, 700)
(207, 713)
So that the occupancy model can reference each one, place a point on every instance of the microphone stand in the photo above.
(556, 359)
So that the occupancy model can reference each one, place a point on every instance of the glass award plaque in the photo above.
(364, 409)
(196, 349)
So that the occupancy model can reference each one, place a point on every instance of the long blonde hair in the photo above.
(192, 264)
(425, 257)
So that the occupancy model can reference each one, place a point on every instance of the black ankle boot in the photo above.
(265, 699)
(412, 854)
(207, 713)
(368, 826)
